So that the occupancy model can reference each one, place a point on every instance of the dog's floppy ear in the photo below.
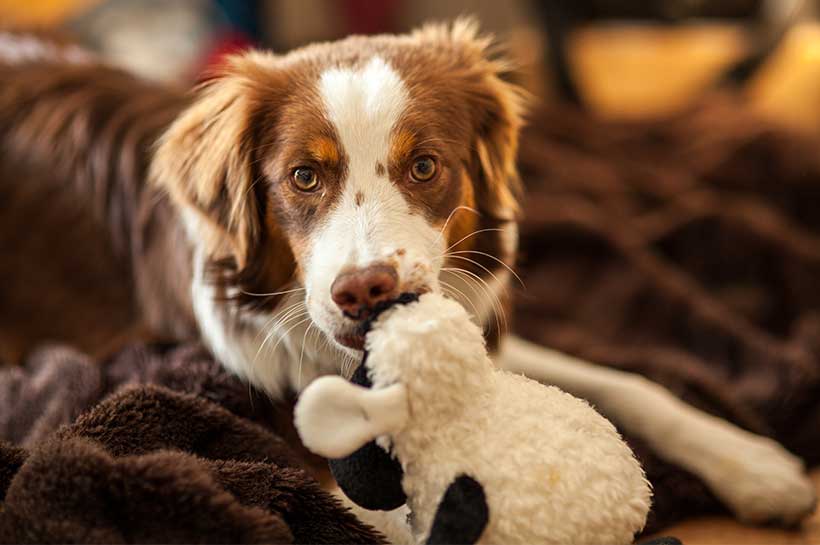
(204, 160)
(497, 107)
(498, 187)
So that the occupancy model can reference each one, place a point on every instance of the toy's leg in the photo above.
(755, 476)
(369, 476)
(462, 513)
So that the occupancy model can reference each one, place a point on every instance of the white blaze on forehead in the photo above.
(364, 105)
(371, 221)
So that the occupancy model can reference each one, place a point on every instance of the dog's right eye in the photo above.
(305, 179)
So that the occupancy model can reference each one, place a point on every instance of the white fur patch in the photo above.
(364, 106)
(22, 48)
(273, 350)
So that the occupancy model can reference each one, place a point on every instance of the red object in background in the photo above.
(368, 16)
(226, 43)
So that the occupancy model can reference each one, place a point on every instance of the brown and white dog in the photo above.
(281, 202)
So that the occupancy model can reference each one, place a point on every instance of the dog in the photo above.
(268, 212)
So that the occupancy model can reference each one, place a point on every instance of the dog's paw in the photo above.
(758, 479)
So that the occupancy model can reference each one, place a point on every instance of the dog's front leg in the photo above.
(755, 476)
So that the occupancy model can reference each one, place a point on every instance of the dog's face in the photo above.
(354, 169)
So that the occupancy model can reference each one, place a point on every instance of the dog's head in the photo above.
(354, 169)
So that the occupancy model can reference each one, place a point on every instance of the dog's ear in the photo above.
(498, 187)
(204, 160)
(497, 107)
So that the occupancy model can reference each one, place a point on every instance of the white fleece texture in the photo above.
(554, 471)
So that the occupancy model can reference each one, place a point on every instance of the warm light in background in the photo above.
(17, 13)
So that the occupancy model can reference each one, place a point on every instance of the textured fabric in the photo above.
(179, 463)
(686, 250)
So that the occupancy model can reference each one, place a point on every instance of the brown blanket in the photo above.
(688, 251)
(151, 463)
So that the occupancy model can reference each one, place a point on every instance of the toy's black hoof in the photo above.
(370, 477)
(462, 514)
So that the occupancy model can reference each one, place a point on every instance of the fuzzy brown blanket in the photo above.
(180, 460)
(688, 251)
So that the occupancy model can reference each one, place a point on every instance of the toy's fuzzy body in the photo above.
(552, 469)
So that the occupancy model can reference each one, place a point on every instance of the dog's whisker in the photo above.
(463, 295)
(274, 293)
(482, 282)
(501, 262)
(347, 366)
(279, 314)
(272, 331)
(294, 326)
(475, 287)
(253, 184)
(267, 339)
(302, 357)
(498, 307)
(447, 221)
(474, 233)
(477, 264)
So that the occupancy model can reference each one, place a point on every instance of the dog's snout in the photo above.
(356, 291)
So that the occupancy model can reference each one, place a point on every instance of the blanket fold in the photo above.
(152, 464)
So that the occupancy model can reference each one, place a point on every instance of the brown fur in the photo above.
(85, 254)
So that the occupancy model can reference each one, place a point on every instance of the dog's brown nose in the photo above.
(358, 290)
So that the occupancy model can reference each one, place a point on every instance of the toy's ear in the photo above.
(335, 418)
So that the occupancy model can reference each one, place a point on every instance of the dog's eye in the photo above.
(424, 168)
(305, 179)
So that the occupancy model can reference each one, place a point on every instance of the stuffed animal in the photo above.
(487, 456)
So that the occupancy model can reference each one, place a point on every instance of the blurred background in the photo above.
(620, 58)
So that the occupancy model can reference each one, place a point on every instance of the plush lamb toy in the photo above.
(487, 456)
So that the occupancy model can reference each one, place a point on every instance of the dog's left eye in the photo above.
(305, 179)
(424, 169)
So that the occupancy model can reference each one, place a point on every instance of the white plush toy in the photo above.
(487, 456)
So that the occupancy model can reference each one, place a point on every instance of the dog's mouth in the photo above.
(355, 338)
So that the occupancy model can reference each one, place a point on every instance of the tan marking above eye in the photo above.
(305, 179)
(424, 169)
(401, 146)
(324, 150)
(380, 170)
